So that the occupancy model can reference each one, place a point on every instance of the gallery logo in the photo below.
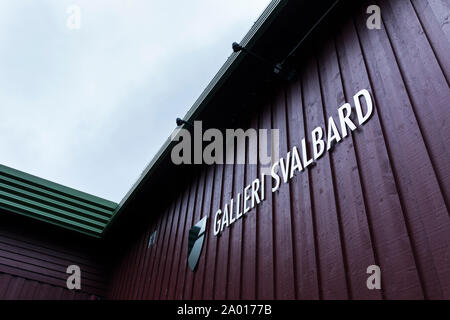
(195, 243)
(152, 239)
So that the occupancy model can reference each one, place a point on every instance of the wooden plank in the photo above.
(163, 257)
(433, 16)
(41, 269)
(4, 283)
(284, 254)
(198, 214)
(385, 212)
(56, 293)
(180, 245)
(331, 266)
(140, 268)
(28, 289)
(160, 253)
(249, 241)
(23, 256)
(173, 242)
(221, 280)
(68, 295)
(130, 269)
(118, 274)
(43, 292)
(38, 271)
(419, 189)
(7, 250)
(356, 234)
(307, 282)
(265, 246)
(142, 246)
(150, 258)
(158, 245)
(52, 253)
(183, 270)
(123, 290)
(424, 79)
(211, 250)
(235, 241)
(14, 270)
(208, 211)
(14, 287)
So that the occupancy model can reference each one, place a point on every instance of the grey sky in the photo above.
(89, 108)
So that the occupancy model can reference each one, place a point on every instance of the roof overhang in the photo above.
(278, 31)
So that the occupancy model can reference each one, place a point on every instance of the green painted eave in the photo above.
(40, 199)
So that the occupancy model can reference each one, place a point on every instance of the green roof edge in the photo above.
(59, 188)
(45, 192)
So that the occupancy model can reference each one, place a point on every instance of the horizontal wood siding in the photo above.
(18, 288)
(34, 259)
(380, 197)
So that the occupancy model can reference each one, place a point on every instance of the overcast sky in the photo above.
(90, 107)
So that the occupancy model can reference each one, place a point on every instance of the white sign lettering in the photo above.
(284, 169)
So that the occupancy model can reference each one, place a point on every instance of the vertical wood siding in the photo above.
(379, 197)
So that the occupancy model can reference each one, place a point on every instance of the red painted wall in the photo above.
(380, 197)
(34, 258)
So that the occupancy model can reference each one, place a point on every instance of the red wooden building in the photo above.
(379, 197)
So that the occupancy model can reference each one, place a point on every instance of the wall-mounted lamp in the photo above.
(180, 122)
(277, 68)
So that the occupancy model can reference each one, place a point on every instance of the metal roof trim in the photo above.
(58, 188)
(44, 200)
